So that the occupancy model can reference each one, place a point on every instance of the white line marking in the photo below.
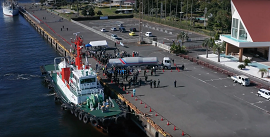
(252, 104)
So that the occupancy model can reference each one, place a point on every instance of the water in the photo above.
(27, 106)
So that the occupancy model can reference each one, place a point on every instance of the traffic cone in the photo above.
(183, 133)
(123, 89)
(141, 101)
(103, 74)
(136, 99)
(163, 70)
(174, 128)
(171, 70)
(146, 70)
(145, 106)
(111, 81)
(168, 123)
(131, 95)
(156, 114)
(150, 110)
(178, 69)
(161, 119)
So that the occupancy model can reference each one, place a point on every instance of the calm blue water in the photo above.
(27, 106)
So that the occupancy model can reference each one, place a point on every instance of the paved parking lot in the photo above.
(163, 33)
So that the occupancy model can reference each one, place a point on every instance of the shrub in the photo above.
(241, 66)
(246, 61)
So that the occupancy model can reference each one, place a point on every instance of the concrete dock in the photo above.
(204, 103)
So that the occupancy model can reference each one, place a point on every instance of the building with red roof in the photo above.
(250, 32)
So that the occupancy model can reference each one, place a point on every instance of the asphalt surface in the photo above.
(204, 103)
(163, 33)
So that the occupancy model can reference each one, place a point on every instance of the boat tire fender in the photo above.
(94, 121)
(85, 119)
(80, 116)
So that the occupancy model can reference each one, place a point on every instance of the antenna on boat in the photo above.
(78, 42)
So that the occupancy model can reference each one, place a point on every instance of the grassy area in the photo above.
(106, 11)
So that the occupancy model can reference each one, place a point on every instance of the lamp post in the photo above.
(205, 10)
(181, 14)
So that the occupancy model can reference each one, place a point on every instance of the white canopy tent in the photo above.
(98, 43)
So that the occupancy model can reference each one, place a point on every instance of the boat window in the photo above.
(89, 80)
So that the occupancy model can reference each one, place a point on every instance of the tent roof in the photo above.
(98, 43)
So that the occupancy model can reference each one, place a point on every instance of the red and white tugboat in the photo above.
(80, 92)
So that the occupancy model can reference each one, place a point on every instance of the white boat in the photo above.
(10, 8)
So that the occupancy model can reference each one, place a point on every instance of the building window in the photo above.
(242, 32)
(234, 28)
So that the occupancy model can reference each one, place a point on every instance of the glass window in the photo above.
(234, 27)
(89, 80)
(242, 32)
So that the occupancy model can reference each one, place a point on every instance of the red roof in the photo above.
(255, 16)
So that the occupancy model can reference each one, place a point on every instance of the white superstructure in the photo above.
(10, 8)
(76, 84)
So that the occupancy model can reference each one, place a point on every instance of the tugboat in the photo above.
(80, 92)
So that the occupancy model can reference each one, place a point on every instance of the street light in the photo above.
(181, 14)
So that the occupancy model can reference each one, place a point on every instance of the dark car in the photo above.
(122, 29)
(133, 29)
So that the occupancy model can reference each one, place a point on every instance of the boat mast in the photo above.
(78, 42)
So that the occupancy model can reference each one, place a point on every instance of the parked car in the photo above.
(148, 34)
(131, 34)
(264, 93)
(113, 29)
(103, 30)
(120, 25)
(132, 29)
(122, 29)
(114, 36)
(241, 79)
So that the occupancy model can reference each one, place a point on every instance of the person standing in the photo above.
(175, 83)
(140, 81)
(96, 66)
(154, 83)
(151, 84)
(158, 83)
(146, 77)
(144, 73)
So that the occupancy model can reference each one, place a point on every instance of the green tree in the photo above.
(246, 61)
(182, 36)
(241, 66)
(219, 47)
(208, 43)
(99, 13)
(262, 71)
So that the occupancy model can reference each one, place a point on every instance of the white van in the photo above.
(264, 93)
(166, 63)
(148, 34)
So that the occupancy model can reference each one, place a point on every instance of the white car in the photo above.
(264, 93)
(113, 29)
(114, 36)
(103, 30)
(148, 34)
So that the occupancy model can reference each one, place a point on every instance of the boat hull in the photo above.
(10, 12)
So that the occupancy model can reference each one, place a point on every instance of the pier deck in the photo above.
(204, 103)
